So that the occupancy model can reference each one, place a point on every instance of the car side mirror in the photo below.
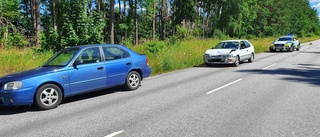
(76, 63)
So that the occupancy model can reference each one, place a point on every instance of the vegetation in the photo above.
(163, 29)
(163, 56)
(55, 24)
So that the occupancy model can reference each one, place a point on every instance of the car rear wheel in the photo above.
(48, 96)
(133, 81)
(236, 62)
(298, 47)
(251, 58)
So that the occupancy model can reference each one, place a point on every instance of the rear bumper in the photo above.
(146, 72)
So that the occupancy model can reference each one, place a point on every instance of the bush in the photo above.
(154, 47)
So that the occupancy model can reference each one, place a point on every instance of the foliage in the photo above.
(68, 23)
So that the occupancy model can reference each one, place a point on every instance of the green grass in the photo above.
(164, 56)
(15, 60)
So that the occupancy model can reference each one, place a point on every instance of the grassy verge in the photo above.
(15, 60)
(164, 56)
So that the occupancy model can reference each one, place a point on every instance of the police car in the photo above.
(285, 43)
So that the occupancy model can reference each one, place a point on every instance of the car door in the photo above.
(88, 73)
(118, 64)
(244, 50)
(295, 42)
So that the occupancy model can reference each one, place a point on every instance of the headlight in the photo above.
(230, 56)
(13, 85)
(206, 56)
(288, 43)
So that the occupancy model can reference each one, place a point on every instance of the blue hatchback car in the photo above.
(73, 71)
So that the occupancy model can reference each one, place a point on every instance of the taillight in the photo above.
(147, 62)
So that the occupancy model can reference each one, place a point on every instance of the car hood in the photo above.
(218, 51)
(29, 73)
(280, 42)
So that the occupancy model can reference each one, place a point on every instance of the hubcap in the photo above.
(237, 62)
(134, 80)
(49, 96)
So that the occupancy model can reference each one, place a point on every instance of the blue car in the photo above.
(73, 71)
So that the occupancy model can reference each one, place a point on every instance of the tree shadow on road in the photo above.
(304, 73)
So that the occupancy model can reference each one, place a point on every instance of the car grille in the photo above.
(279, 45)
(214, 60)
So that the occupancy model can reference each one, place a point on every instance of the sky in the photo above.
(315, 4)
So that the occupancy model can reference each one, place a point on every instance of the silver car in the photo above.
(230, 52)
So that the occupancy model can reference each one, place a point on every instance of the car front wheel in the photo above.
(236, 62)
(48, 96)
(291, 49)
(133, 81)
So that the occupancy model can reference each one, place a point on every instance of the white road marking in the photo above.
(269, 66)
(115, 133)
(224, 86)
(153, 77)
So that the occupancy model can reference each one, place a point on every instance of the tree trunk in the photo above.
(90, 6)
(154, 20)
(111, 33)
(164, 18)
(35, 17)
(125, 7)
(136, 23)
(38, 19)
(54, 15)
(120, 12)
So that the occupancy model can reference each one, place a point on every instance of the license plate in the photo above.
(277, 49)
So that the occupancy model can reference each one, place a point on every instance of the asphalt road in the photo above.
(276, 95)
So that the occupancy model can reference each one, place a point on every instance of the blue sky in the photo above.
(315, 4)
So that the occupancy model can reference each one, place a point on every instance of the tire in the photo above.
(251, 58)
(271, 50)
(237, 62)
(133, 81)
(291, 49)
(298, 48)
(48, 96)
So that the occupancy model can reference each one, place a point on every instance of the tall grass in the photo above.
(15, 60)
(164, 56)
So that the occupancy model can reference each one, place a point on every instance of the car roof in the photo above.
(96, 45)
(288, 36)
(233, 40)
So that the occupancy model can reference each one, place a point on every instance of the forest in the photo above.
(55, 24)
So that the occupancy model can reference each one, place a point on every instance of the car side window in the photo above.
(90, 55)
(242, 45)
(112, 53)
(247, 44)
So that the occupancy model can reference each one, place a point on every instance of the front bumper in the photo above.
(219, 59)
(17, 97)
(280, 47)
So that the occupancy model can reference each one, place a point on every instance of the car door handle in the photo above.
(128, 64)
(100, 68)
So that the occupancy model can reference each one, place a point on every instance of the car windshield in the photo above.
(62, 58)
(227, 45)
(285, 39)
